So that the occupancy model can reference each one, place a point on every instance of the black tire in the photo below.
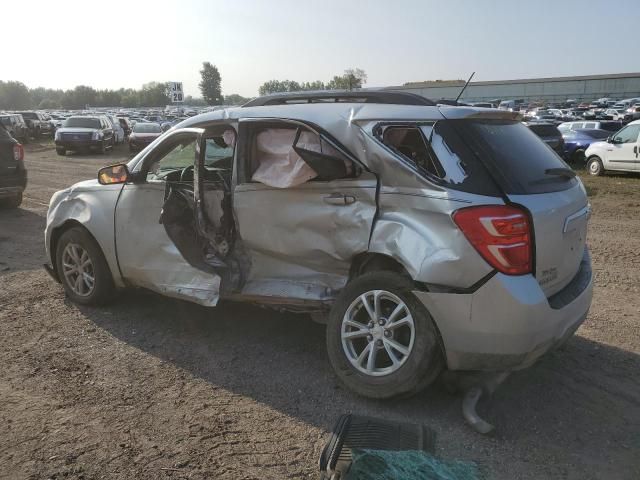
(578, 156)
(12, 202)
(61, 151)
(424, 362)
(103, 288)
(594, 166)
(102, 148)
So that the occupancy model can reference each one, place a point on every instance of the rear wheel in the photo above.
(595, 167)
(381, 340)
(82, 268)
(61, 151)
(12, 202)
(578, 156)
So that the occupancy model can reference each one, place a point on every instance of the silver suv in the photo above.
(425, 236)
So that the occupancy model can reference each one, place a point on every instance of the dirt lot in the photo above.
(153, 388)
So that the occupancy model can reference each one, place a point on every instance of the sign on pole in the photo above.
(175, 92)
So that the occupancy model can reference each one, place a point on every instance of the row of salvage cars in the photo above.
(426, 237)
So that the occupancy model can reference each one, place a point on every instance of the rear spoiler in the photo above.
(455, 113)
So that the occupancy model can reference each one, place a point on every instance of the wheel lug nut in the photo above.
(381, 322)
(370, 325)
(387, 333)
(369, 338)
(379, 343)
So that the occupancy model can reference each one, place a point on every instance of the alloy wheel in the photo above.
(377, 333)
(77, 268)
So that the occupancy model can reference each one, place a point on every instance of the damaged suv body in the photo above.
(427, 236)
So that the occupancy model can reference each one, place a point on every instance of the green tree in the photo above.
(14, 95)
(277, 86)
(235, 99)
(350, 79)
(154, 94)
(48, 104)
(210, 86)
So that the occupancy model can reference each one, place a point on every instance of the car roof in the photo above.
(341, 96)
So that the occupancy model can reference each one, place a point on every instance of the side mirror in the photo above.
(113, 174)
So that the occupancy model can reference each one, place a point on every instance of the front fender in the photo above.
(92, 208)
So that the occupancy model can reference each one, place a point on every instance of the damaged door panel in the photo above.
(302, 235)
(155, 225)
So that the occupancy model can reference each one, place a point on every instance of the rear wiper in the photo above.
(565, 173)
(562, 172)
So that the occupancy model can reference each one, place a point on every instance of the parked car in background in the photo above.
(16, 126)
(609, 125)
(616, 114)
(632, 113)
(549, 134)
(126, 125)
(489, 274)
(118, 131)
(90, 132)
(620, 152)
(576, 142)
(143, 134)
(13, 174)
(38, 125)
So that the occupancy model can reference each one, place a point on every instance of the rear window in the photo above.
(610, 126)
(147, 128)
(545, 130)
(82, 122)
(515, 156)
(595, 133)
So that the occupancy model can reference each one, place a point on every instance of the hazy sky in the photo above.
(112, 44)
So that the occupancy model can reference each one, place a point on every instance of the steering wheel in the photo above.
(185, 172)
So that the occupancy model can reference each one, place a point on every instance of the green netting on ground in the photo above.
(408, 465)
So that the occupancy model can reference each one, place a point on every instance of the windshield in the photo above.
(82, 122)
(516, 157)
(147, 128)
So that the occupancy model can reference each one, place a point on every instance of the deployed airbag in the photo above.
(279, 165)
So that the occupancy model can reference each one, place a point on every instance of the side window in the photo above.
(173, 157)
(411, 144)
(286, 156)
(628, 134)
(589, 125)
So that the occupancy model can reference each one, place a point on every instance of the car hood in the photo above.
(598, 144)
(76, 130)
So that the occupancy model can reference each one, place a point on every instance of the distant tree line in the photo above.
(351, 78)
(17, 96)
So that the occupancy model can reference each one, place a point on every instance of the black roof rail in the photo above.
(341, 96)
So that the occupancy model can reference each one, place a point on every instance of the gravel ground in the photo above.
(153, 388)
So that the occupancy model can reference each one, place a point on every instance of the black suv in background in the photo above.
(87, 132)
(13, 175)
(37, 123)
(549, 134)
(16, 126)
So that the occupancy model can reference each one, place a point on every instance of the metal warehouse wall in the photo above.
(618, 86)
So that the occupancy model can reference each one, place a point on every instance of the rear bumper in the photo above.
(508, 323)
(13, 185)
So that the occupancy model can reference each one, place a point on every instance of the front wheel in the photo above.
(82, 268)
(594, 166)
(381, 340)
(61, 151)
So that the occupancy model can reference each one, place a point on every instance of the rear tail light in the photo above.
(501, 234)
(18, 152)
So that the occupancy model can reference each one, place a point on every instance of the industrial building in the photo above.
(554, 89)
